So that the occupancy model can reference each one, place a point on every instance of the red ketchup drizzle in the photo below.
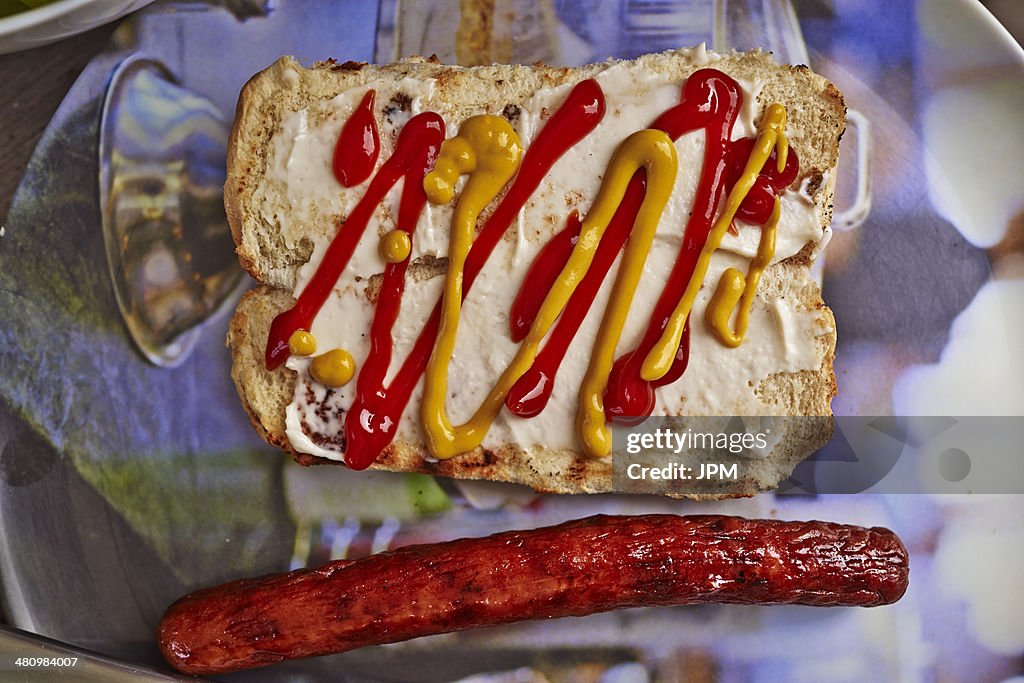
(358, 146)
(710, 100)
(756, 209)
(373, 417)
(413, 158)
(541, 276)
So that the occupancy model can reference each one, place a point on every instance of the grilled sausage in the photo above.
(581, 567)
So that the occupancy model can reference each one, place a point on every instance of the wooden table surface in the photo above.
(34, 83)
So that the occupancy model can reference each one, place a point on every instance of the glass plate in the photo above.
(124, 485)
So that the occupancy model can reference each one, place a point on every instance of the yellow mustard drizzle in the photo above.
(652, 150)
(334, 368)
(772, 135)
(734, 285)
(648, 149)
(488, 150)
(395, 246)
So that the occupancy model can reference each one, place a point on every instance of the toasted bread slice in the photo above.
(282, 209)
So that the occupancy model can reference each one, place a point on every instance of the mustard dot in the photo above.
(437, 188)
(302, 343)
(334, 368)
(395, 246)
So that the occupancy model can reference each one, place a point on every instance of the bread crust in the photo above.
(816, 112)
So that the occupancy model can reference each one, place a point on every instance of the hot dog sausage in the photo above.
(581, 567)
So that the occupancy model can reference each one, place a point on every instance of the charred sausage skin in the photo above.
(581, 567)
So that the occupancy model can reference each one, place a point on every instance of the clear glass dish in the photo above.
(124, 485)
